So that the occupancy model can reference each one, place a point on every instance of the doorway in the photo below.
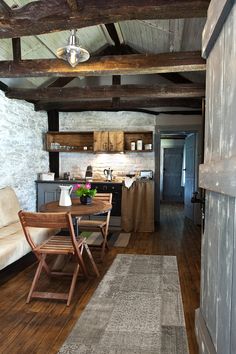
(179, 160)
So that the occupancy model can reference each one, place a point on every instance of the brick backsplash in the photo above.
(120, 163)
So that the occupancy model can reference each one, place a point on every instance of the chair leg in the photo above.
(36, 277)
(91, 259)
(72, 286)
(104, 244)
(45, 266)
(79, 251)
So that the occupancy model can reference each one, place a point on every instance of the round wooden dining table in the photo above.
(77, 209)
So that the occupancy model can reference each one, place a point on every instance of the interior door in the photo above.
(172, 190)
(190, 143)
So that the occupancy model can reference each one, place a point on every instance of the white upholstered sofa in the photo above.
(13, 244)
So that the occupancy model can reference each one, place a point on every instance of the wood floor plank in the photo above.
(42, 325)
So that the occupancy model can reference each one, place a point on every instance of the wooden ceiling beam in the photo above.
(123, 104)
(112, 65)
(46, 16)
(116, 90)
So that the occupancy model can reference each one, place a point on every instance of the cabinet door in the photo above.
(100, 141)
(47, 192)
(116, 141)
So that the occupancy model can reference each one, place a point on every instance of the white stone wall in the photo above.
(21, 148)
(127, 121)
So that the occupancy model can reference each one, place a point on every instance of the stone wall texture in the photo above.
(127, 121)
(22, 155)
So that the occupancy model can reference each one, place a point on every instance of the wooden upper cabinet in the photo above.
(116, 141)
(105, 141)
(100, 141)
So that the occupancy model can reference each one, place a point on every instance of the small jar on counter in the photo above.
(132, 145)
(139, 145)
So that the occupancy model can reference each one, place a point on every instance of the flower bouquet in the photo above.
(85, 192)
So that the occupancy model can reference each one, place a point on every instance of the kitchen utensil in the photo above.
(108, 174)
(89, 173)
(65, 199)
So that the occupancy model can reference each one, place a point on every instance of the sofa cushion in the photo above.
(10, 229)
(9, 207)
(16, 246)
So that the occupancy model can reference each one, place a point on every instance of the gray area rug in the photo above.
(136, 309)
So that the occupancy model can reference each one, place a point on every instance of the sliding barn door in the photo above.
(216, 318)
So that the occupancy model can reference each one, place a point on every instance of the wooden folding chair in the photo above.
(55, 245)
(99, 225)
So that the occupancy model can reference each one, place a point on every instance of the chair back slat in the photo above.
(45, 220)
(106, 197)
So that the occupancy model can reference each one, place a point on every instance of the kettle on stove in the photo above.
(108, 174)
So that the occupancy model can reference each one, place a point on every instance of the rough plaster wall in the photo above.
(21, 148)
(127, 121)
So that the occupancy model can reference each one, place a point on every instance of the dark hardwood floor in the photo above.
(42, 326)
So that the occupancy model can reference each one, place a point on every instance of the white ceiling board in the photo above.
(153, 36)
(18, 83)
(192, 34)
(17, 2)
(125, 80)
(5, 49)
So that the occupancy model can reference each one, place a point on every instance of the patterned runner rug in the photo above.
(136, 309)
(115, 239)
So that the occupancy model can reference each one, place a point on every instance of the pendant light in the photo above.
(73, 53)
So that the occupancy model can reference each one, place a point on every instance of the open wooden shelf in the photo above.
(146, 137)
(70, 141)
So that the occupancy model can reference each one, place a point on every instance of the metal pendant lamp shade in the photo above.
(73, 53)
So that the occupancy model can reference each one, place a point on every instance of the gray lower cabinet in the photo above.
(50, 191)
(47, 192)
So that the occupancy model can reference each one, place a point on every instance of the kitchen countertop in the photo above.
(80, 181)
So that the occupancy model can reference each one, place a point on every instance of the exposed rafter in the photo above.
(57, 15)
(124, 104)
(75, 93)
(115, 65)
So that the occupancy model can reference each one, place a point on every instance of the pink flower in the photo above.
(87, 185)
(76, 186)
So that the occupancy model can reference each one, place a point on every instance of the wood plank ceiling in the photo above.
(144, 53)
